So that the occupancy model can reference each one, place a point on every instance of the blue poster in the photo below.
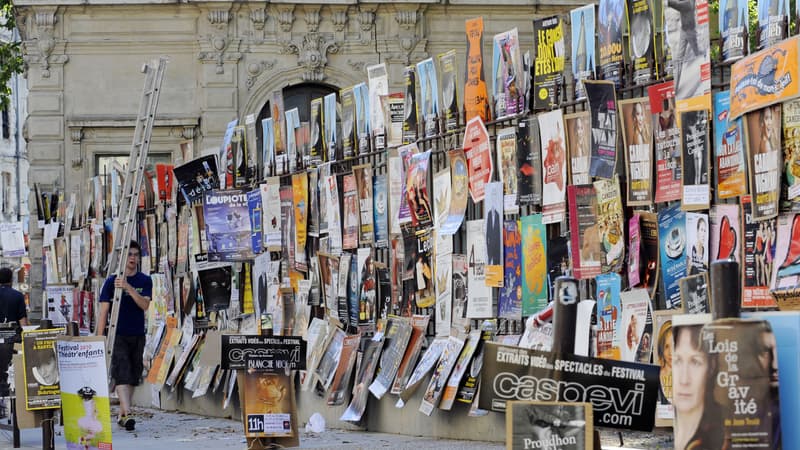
(609, 315)
(509, 304)
(672, 248)
(729, 157)
(227, 225)
(381, 211)
(254, 208)
(583, 43)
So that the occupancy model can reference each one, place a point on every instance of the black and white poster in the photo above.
(603, 108)
(696, 189)
(610, 22)
(642, 48)
(549, 425)
(263, 353)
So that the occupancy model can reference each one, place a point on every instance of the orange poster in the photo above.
(765, 78)
(476, 100)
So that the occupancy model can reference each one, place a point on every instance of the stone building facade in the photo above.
(13, 154)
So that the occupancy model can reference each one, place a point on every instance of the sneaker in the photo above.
(127, 422)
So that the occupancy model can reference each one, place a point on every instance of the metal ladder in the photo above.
(125, 223)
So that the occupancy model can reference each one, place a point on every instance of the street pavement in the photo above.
(163, 430)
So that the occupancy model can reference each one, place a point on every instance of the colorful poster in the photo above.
(785, 277)
(509, 303)
(529, 162)
(585, 232)
(227, 225)
(479, 157)
(449, 111)
(458, 198)
(507, 165)
(728, 149)
(696, 187)
(579, 146)
(255, 208)
(330, 137)
(363, 176)
(316, 147)
(350, 226)
(765, 78)
(672, 243)
(534, 249)
(441, 197)
(725, 240)
(348, 125)
(650, 252)
(196, 177)
(279, 132)
(429, 96)
(634, 251)
(416, 190)
(686, 27)
(759, 258)
(460, 298)
(554, 166)
(583, 44)
(603, 107)
(636, 327)
(268, 147)
(476, 99)
(697, 243)
(611, 218)
(734, 18)
(410, 110)
(271, 201)
(380, 208)
(773, 22)
(479, 295)
(84, 392)
(791, 156)
(268, 404)
(493, 218)
(609, 316)
(300, 207)
(638, 138)
(642, 41)
(60, 305)
(610, 21)
(550, 48)
(764, 165)
(667, 142)
(506, 75)
(40, 372)
(662, 357)
(293, 146)
(421, 262)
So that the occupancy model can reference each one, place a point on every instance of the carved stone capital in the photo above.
(188, 132)
(76, 135)
(256, 68)
(407, 18)
(44, 21)
(410, 19)
(218, 45)
(258, 17)
(366, 16)
(285, 16)
(219, 18)
(339, 18)
(312, 17)
(312, 53)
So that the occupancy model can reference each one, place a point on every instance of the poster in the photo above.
(634, 251)
(791, 156)
(329, 133)
(585, 232)
(610, 23)
(650, 252)
(255, 209)
(363, 176)
(534, 249)
(361, 97)
(696, 176)
(479, 157)
(550, 50)
(348, 123)
(555, 377)
(579, 146)
(268, 147)
(554, 166)
(636, 326)
(458, 198)
(197, 176)
(773, 22)
(421, 263)
(450, 105)
(695, 296)
(41, 375)
(479, 295)
(270, 199)
(697, 242)
(642, 40)
(476, 99)
(562, 425)
(493, 219)
(662, 357)
(672, 243)
(380, 208)
(729, 156)
(609, 316)
(300, 208)
(764, 165)
(84, 392)
(410, 110)
(428, 96)
(765, 78)
(603, 108)
(638, 138)
(334, 229)
(734, 23)
(507, 72)
(350, 227)
(759, 239)
(687, 38)
(444, 293)
(784, 276)
(529, 162)
(509, 303)
(316, 147)
(725, 240)
(268, 404)
(416, 190)
(507, 165)
(441, 373)
(611, 218)
(441, 197)
(60, 305)
(667, 142)
(583, 44)
(227, 225)
(378, 82)
(293, 144)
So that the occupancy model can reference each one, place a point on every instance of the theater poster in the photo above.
(506, 75)
(637, 135)
(583, 45)
(759, 239)
(696, 179)
(227, 225)
(458, 197)
(729, 156)
(449, 111)
(529, 162)
(610, 23)
(579, 146)
(378, 82)
(687, 36)
(410, 110)
(587, 248)
(363, 176)
(428, 96)
(509, 303)
(773, 22)
(672, 243)
(361, 97)
(791, 156)
(667, 142)
(764, 160)
(642, 41)
(477, 149)
(550, 48)
(554, 166)
(507, 168)
(603, 109)
(476, 100)
(725, 239)
(734, 19)
(534, 249)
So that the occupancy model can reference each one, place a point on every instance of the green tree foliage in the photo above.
(10, 53)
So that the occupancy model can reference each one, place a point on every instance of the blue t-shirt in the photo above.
(130, 321)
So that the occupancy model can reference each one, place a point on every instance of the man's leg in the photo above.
(125, 394)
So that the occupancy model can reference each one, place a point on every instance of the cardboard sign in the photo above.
(262, 353)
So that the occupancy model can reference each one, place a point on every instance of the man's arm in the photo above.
(141, 301)
(102, 319)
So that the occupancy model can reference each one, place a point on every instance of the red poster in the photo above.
(479, 157)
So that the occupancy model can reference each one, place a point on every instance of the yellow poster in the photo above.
(300, 206)
(765, 78)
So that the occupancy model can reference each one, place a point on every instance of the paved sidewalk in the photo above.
(162, 430)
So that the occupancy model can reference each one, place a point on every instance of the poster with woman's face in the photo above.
(697, 242)
(579, 146)
(691, 391)
(638, 138)
(763, 132)
(662, 357)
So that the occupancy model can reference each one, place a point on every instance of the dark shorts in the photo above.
(126, 363)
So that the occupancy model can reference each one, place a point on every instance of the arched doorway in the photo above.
(298, 96)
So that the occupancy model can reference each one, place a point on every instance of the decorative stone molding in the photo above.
(339, 18)
(218, 46)
(285, 16)
(188, 132)
(312, 54)
(76, 135)
(255, 69)
(409, 18)
(366, 17)
(312, 17)
(357, 66)
(44, 21)
(259, 18)
(219, 18)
